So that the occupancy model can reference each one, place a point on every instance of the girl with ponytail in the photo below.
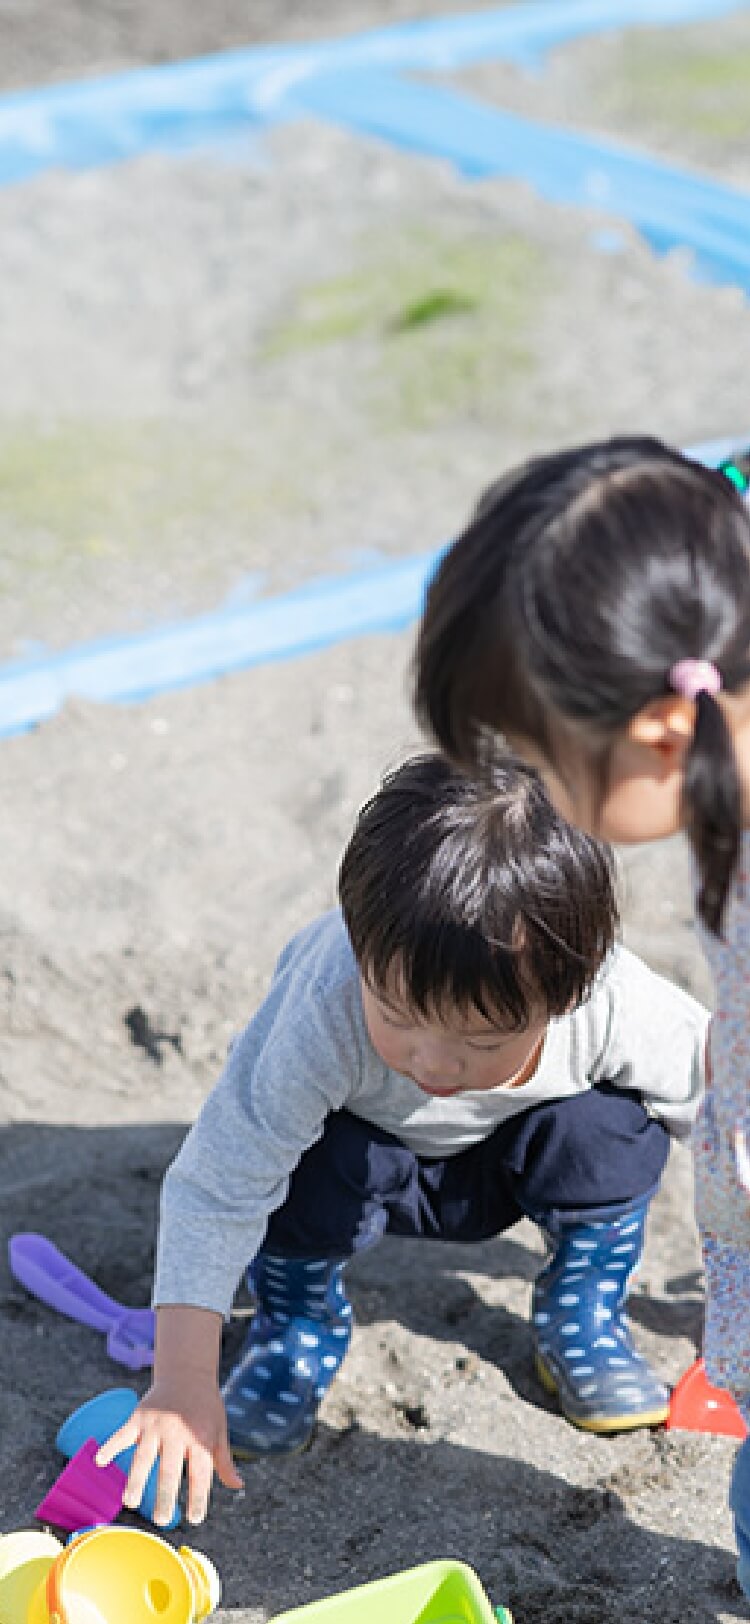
(596, 613)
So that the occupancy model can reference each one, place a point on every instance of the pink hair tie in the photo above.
(689, 678)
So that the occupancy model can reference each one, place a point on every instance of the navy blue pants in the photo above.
(357, 1183)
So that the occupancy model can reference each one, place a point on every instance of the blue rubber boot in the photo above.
(584, 1352)
(296, 1342)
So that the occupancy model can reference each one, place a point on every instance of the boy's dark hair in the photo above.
(582, 579)
(477, 893)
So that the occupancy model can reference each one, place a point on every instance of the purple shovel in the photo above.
(48, 1274)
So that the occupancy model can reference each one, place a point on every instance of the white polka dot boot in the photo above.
(584, 1351)
(296, 1343)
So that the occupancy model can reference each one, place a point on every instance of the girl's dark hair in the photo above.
(476, 892)
(582, 579)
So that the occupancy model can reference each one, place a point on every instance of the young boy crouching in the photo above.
(461, 1045)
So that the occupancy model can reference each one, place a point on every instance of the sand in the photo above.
(202, 394)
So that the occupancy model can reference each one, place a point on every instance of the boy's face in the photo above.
(456, 1055)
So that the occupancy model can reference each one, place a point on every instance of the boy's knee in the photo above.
(599, 1148)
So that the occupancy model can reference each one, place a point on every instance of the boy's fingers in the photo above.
(226, 1471)
(120, 1440)
(143, 1460)
(168, 1485)
(200, 1473)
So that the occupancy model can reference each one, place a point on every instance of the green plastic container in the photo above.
(437, 1593)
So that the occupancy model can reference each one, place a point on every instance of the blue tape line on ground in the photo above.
(669, 205)
(212, 98)
(199, 650)
(79, 126)
(194, 651)
(523, 34)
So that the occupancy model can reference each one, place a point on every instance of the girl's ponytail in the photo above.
(712, 803)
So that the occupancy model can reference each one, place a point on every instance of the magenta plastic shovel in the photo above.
(48, 1274)
(84, 1495)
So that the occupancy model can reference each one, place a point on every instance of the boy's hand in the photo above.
(181, 1424)
(181, 1421)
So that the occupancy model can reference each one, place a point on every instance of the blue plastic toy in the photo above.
(98, 1418)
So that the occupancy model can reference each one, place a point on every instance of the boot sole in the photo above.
(240, 1453)
(599, 1423)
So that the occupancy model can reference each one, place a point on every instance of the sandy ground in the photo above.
(212, 384)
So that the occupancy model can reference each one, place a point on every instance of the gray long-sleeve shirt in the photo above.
(306, 1053)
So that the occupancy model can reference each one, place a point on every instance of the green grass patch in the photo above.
(427, 326)
(87, 491)
(434, 307)
(432, 324)
(705, 92)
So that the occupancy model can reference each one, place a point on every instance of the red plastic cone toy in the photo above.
(696, 1406)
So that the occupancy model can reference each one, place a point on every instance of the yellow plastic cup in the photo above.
(25, 1560)
(125, 1576)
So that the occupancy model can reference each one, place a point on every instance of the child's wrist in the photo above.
(188, 1341)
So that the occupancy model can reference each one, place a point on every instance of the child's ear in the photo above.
(664, 725)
